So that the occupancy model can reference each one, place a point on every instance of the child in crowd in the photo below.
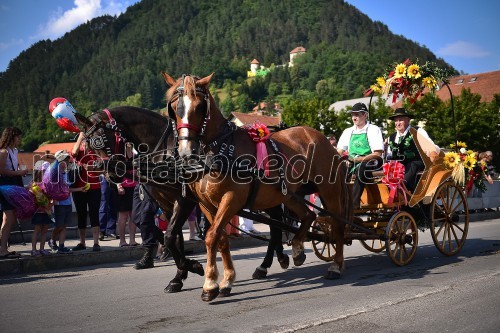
(62, 209)
(42, 218)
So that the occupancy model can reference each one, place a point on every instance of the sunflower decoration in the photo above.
(409, 79)
(451, 159)
(467, 170)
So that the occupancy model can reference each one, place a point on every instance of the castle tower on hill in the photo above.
(294, 53)
(256, 69)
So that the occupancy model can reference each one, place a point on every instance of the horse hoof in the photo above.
(259, 274)
(284, 261)
(173, 287)
(207, 296)
(331, 275)
(225, 292)
(299, 260)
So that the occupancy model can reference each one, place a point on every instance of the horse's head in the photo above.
(188, 102)
(102, 134)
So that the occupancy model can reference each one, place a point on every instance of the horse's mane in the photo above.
(136, 110)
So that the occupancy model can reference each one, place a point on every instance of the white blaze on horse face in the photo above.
(185, 145)
(187, 107)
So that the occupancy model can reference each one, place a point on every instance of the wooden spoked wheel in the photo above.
(402, 238)
(323, 249)
(449, 218)
(373, 245)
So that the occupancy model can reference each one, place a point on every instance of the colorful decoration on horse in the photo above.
(466, 169)
(64, 113)
(394, 174)
(409, 80)
(259, 133)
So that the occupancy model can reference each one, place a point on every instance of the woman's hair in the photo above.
(8, 135)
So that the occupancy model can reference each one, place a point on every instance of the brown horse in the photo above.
(302, 157)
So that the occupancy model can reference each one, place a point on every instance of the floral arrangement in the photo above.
(409, 79)
(259, 133)
(467, 170)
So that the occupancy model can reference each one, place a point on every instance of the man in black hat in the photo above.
(365, 146)
(401, 147)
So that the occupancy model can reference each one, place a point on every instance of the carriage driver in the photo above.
(401, 147)
(365, 145)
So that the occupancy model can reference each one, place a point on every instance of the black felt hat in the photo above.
(401, 112)
(359, 107)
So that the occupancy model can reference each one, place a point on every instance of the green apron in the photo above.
(359, 146)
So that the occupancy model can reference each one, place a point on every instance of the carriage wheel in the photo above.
(373, 245)
(402, 238)
(323, 249)
(449, 218)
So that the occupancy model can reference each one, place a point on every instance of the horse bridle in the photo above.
(199, 130)
(96, 136)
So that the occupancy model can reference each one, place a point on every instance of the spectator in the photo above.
(42, 218)
(246, 225)
(365, 145)
(333, 140)
(486, 158)
(62, 209)
(193, 231)
(107, 212)
(9, 175)
(144, 209)
(86, 202)
(122, 198)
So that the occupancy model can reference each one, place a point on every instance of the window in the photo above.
(460, 81)
(473, 79)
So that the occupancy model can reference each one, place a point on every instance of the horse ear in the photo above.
(170, 80)
(82, 120)
(205, 81)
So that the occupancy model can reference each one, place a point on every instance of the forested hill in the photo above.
(110, 58)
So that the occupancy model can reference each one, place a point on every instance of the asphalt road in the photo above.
(433, 293)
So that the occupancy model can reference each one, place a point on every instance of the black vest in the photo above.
(406, 150)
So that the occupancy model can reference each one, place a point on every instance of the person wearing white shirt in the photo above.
(365, 145)
(401, 146)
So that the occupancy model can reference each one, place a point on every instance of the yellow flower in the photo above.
(471, 152)
(400, 71)
(470, 161)
(381, 81)
(430, 82)
(375, 88)
(414, 71)
(483, 163)
(261, 132)
(451, 159)
(460, 144)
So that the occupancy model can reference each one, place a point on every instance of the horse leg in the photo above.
(274, 245)
(226, 284)
(174, 242)
(175, 285)
(216, 237)
(341, 204)
(306, 217)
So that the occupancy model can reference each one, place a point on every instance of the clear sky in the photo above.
(465, 33)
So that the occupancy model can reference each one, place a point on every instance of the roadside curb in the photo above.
(108, 254)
